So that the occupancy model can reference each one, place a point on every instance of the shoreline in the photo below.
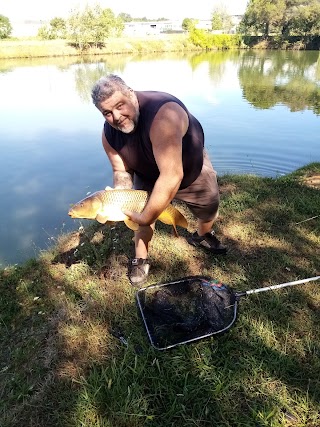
(308, 176)
(34, 48)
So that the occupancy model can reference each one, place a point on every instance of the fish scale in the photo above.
(127, 199)
(108, 205)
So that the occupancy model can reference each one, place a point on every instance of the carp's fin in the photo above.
(102, 219)
(172, 216)
(175, 231)
(132, 225)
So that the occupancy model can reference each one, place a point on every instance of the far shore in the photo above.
(35, 48)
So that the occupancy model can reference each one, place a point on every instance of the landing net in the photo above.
(186, 310)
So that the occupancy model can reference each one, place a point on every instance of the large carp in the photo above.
(107, 205)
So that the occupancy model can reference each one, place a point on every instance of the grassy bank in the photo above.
(62, 362)
(52, 48)
(199, 40)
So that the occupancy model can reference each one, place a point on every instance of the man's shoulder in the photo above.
(149, 97)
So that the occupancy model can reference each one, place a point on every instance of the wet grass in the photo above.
(74, 351)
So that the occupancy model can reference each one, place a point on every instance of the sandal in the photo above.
(138, 270)
(209, 242)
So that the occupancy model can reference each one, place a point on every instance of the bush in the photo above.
(209, 41)
(5, 27)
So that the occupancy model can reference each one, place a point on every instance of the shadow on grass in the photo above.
(74, 350)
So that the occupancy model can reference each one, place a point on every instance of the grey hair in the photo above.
(106, 87)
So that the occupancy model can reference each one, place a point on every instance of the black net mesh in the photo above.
(186, 310)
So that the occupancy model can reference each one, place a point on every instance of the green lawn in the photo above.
(62, 365)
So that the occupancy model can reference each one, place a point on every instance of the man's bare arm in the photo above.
(122, 180)
(122, 177)
(167, 131)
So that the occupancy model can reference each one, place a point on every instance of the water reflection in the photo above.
(259, 110)
(266, 78)
(288, 78)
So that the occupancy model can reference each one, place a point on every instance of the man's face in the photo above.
(121, 111)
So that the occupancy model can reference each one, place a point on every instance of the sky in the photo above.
(20, 10)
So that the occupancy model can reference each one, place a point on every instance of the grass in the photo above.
(63, 364)
(35, 48)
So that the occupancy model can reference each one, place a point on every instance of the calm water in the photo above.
(260, 113)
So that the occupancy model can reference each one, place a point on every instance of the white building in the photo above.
(204, 25)
(131, 29)
(144, 28)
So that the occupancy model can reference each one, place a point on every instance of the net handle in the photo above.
(282, 285)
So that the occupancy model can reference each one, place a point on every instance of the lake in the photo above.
(260, 112)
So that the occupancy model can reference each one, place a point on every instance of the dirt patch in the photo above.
(312, 181)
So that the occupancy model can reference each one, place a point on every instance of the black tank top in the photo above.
(136, 148)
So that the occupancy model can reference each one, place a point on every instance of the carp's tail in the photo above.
(172, 216)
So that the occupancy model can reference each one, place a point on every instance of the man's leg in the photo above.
(206, 226)
(142, 239)
(206, 238)
(202, 198)
(139, 266)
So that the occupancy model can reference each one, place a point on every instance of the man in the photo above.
(155, 144)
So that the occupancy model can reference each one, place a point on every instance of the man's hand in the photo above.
(136, 217)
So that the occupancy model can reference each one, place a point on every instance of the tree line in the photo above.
(92, 25)
(284, 17)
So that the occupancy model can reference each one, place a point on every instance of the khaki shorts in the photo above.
(202, 196)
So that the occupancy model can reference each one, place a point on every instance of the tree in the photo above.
(290, 14)
(125, 17)
(57, 29)
(44, 33)
(93, 25)
(188, 24)
(221, 20)
(5, 27)
(307, 20)
(262, 16)
(284, 17)
(111, 25)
